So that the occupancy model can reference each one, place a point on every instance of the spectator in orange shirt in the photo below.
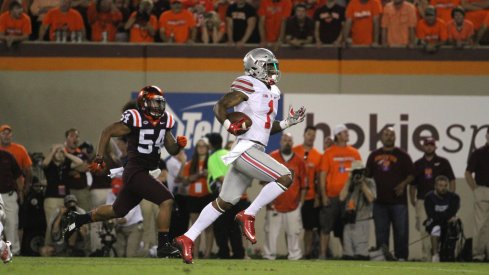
(6, 5)
(64, 23)
(142, 25)
(104, 18)
(20, 154)
(284, 211)
(443, 7)
(194, 177)
(178, 24)
(15, 25)
(476, 11)
(431, 31)
(271, 24)
(335, 163)
(460, 30)
(310, 208)
(398, 24)
(23, 182)
(482, 30)
(362, 19)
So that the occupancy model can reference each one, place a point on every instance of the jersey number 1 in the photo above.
(268, 124)
(146, 145)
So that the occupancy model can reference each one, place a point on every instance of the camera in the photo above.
(357, 174)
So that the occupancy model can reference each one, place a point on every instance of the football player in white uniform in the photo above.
(256, 95)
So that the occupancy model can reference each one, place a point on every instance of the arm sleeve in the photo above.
(472, 163)
(242, 85)
(27, 28)
(429, 207)
(349, 11)
(454, 206)
(443, 31)
(3, 25)
(449, 172)
(16, 172)
(370, 165)
(409, 165)
(131, 118)
(47, 20)
(154, 22)
(420, 32)
(262, 9)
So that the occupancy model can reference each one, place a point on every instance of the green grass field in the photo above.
(119, 266)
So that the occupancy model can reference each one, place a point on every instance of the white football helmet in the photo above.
(261, 63)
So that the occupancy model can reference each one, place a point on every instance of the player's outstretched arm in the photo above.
(229, 100)
(117, 129)
(293, 118)
(172, 145)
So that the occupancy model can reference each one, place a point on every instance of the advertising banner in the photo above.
(459, 123)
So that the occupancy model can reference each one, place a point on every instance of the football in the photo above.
(237, 116)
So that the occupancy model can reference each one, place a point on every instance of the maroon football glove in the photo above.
(182, 141)
(98, 165)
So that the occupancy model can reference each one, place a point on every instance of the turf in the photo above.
(119, 266)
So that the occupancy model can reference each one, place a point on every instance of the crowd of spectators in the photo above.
(270, 23)
(334, 193)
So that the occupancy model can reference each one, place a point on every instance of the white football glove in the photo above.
(293, 117)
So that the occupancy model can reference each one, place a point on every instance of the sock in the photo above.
(208, 215)
(83, 219)
(163, 238)
(267, 194)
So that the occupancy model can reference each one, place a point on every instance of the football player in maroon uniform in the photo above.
(148, 129)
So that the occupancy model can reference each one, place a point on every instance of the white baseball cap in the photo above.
(339, 128)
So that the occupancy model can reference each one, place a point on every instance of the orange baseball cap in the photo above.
(5, 127)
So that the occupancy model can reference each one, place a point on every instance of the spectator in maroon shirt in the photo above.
(241, 20)
(329, 20)
(299, 29)
(392, 170)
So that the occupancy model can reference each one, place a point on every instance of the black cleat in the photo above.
(68, 224)
(168, 251)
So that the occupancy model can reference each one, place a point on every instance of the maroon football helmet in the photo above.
(151, 101)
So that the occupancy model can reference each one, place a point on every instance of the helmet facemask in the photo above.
(155, 106)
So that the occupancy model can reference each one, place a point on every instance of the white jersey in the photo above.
(261, 107)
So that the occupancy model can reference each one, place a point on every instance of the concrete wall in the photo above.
(46, 89)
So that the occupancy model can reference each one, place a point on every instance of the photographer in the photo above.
(358, 195)
(129, 229)
(441, 207)
(141, 24)
(75, 244)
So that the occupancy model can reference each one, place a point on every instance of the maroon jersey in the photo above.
(146, 138)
